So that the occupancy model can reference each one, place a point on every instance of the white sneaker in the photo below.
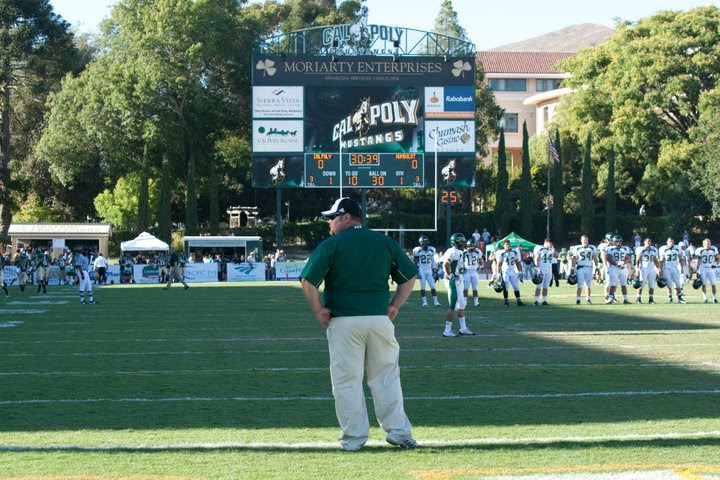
(424, 304)
(466, 331)
(437, 304)
(450, 334)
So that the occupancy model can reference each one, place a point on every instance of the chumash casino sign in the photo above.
(322, 121)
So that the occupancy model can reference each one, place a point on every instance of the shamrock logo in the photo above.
(268, 67)
(461, 67)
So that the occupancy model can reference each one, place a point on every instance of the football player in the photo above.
(544, 255)
(708, 258)
(646, 264)
(22, 262)
(509, 265)
(454, 268)
(3, 262)
(424, 257)
(607, 241)
(616, 257)
(473, 261)
(82, 270)
(584, 262)
(42, 259)
(670, 258)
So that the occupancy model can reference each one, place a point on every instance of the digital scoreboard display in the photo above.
(365, 170)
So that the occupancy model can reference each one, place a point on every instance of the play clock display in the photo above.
(364, 170)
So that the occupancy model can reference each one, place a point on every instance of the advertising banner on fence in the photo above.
(246, 272)
(112, 274)
(278, 102)
(10, 274)
(145, 273)
(288, 271)
(201, 272)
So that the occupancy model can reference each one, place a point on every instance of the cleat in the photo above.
(520, 304)
(681, 300)
(466, 331)
(187, 286)
(407, 444)
(705, 301)
(544, 304)
(450, 334)
(536, 303)
(588, 301)
(577, 302)
(93, 302)
(626, 302)
(608, 301)
(651, 301)
(639, 300)
(715, 300)
(437, 304)
(424, 304)
(670, 300)
(507, 304)
(82, 302)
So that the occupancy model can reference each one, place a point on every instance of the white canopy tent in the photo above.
(144, 242)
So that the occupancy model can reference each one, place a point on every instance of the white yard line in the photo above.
(631, 393)
(374, 443)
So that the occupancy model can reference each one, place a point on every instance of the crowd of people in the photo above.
(33, 265)
(609, 264)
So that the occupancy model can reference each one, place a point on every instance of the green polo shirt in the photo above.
(355, 265)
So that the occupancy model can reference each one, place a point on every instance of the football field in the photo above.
(230, 381)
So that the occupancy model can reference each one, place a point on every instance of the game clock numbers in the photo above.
(364, 170)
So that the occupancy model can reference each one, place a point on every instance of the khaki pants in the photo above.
(176, 273)
(355, 343)
(40, 275)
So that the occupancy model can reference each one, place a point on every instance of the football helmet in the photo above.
(609, 236)
(498, 285)
(471, 243)
(458, 240)
(616, 238)
(423, 241)
(661, 282)
(697, 283)
(572, 279)
(537, 277)
(637, 283)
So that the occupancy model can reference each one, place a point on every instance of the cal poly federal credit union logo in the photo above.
(278, 135)
(449, 102)
(277, 102)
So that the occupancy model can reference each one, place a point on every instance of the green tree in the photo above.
(447, 22)
(526, 196)
(586, 192)
(501, 187)
(165, 202)
(639, 93)
(120, 205)
(610, 203)
(558, 192)
(36, 50)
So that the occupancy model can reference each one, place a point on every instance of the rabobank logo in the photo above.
(459, 99)
(450, 102)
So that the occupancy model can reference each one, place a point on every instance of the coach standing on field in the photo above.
(355, 264)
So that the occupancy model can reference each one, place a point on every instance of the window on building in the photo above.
(508, 84)
(509, 122)
(547, 84)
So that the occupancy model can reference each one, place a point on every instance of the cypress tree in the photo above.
(526, 203)
(214, 193)
(610, 210)
(164, 209)
(144, 195)
(501, 189)
(586, 207)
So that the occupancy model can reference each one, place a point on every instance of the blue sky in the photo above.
(489, 24)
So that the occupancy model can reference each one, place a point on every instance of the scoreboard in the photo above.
(364, 170)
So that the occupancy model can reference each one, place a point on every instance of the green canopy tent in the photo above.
(515, 241)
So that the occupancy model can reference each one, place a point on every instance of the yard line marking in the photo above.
(46, 302)
(28, 311)
(372, 443)
(502, 396)
(484, 366)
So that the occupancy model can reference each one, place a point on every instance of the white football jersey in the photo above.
(670, 256)
(618, 254)
(454, 258)
(472, 260)
(425, 257)
(507, 259)
(707, 257)
(646, 256)
(544, 257)
(584, 255)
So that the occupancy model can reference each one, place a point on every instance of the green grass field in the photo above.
(230, 381)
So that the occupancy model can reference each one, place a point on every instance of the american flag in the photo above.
(553, 150)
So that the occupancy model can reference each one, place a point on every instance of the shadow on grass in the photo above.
(252, 357)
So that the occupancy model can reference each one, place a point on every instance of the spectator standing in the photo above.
(100, 266)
